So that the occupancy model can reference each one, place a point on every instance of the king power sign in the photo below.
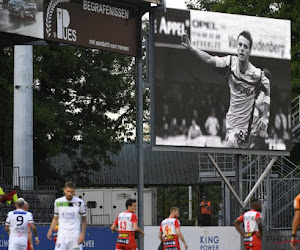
(86, 23)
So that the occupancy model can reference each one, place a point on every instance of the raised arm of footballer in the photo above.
(296, 221)
(244, 80)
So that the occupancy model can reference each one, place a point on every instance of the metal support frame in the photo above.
(257, 184)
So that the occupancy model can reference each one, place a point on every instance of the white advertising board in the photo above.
(199, 238)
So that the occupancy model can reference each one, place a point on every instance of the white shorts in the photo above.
(15, 244)
(67, 243)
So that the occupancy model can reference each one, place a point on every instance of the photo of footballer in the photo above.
(221, 82)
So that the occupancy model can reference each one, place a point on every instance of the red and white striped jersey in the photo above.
(168, 226)
(125, 221)
(249, 219)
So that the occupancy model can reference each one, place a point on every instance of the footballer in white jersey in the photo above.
(244, 80)
(17, 225)
(70, 215)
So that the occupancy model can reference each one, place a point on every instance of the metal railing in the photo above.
(225, 161)
(28, 182)
(295, 111)
(100, 219)
(10, 175)
(282, 196)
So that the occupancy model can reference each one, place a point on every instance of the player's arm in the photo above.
(259, 223)
(236, 224)
(160, 236)
(32, 225)
(202, 55)
(52, 226)
(137, 229)
(295, 225)
(180, 236)
(6, 228)
(7, 223)
(83, 229)
(30, 238)
(114, 226)
(266, 100)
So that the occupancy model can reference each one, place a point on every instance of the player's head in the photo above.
(69, 190)
(255, 204)
(26, 206)
(131, 205)
(204, 198)
(174, 212)
(244, 43)
(20, 203)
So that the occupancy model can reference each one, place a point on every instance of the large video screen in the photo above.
(222, 82)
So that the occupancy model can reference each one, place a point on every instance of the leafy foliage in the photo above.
(75, 91)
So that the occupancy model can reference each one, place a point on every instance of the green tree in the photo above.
(75, 90)
(6, 104)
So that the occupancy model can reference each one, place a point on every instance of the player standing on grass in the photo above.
(252, 226)
(127, 224)
(67, 213)
(17, 224)
(169, 232)
(244, 79)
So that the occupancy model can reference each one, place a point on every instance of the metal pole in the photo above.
(225, 180)
(139, 132)
(237, 183)
(23, 115)
(260, 180)
(190, 203)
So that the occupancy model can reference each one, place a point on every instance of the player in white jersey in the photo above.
(252, 226)
(67, 213)
(17, 224)
(244, 80)
(169, 231)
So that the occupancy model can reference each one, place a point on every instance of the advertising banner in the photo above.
(95, 238)
(222, 83)
(96, 24)
(202, 238)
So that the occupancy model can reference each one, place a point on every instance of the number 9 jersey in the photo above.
(18, 221)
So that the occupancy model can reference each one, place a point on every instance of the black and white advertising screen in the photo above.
(222, 82)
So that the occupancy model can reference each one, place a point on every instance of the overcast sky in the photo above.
(178, 4)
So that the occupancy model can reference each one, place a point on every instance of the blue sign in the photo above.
(96, 237)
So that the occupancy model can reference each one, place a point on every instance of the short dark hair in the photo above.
(70, 184)
(247, 35)
(174, 209)
(254, 201)
(129, 202)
